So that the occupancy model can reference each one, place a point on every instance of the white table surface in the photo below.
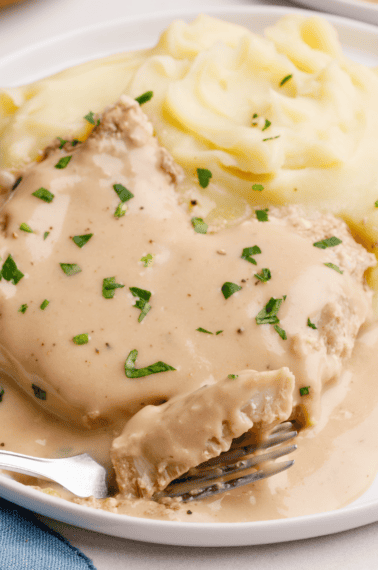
(356, 549)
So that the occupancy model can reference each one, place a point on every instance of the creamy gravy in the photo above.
(88, 397)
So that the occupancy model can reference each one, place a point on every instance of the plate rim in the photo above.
(205, 534)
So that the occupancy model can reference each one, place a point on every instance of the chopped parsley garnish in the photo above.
(23, 308)
(123, 193)
(376, 204)
(82, 240)
(311, 325)
(19, 179)
(200, 329)
(229, 289)
(218, 332)
(43, 194)
(233, 376)
(267, 124)
(10, 271)
(1, 393)
(109, 286)
(81, 338)
(264, 276)
(147, 96)
(45, 235)
(335, 267)
(120, 210)
(204, 176)
(62, 142)
(254, 116)
(63, 162)
(39, 393)
(329, 242)
(248, 252)
(44, 304)
(25, 228)
(70, 268)
(304, 391)
(262, 215)
(74, 142)
(142, 303)
(285, 79)
(268, 315)
(90, 118)
(132, 372)
(199, 225)
(257, 187)
(147, 260)
(281, 332)
(271, 138)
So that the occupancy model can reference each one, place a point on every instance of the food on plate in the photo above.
(154, 262)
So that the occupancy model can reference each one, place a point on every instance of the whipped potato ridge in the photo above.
(177, 268)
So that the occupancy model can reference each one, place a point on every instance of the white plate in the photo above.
(360, 42)
(357, 9)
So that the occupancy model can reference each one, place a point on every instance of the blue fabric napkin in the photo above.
(26, 543)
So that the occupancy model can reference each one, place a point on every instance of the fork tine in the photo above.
(237, 454)
(217, 488)
(185, 484)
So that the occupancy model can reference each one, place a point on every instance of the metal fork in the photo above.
(80, 474)
(206, 479)
(85, 477)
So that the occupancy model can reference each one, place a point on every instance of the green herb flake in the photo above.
(62, 142)
(200, 329)
(311, 325)
(23, 308)
(1, 393)
(25, 228)
(74, 142)
(233, 376)
(271, 138)
(204, 176)
(109, 286)
(90, 118)
(254, 116)
(267, 125)
(44, 194)
(123, 193)
(70, 268)
(44, 304)
(82, 240)
(335, 267)
(39, 393)
(132, 372)
(257, 187)
(18, 181)
(218, 332)
(142, 302)
(268, 315)
(45, 235)
(264, 276)
(285, 79)
(63, 162)
(120, 210)
(376, 204)
(248, 252)
(329, 242)
(145, 97)
(199, 225)
(281, 332)
(304, 391)
(229, 289)
(262, 215)
(10, 271)
(147, 260)
(81, 339)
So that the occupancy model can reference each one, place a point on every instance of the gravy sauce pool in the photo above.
(89, 397)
